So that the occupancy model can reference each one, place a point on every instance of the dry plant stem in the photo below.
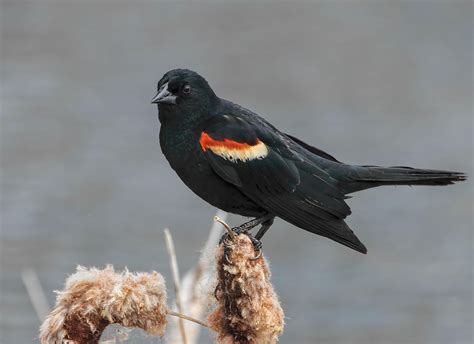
(186, 317)
(226, 226)
(176, 282)
(195, 286)
(35, 292)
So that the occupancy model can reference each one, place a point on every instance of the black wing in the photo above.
(255, 157)
(312, 149)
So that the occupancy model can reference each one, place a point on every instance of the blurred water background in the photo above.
(388, 83)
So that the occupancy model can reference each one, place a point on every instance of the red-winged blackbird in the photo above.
(238, 162)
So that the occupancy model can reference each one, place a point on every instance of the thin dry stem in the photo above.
(226, 226)
(176, 282)
(35, 292)
(195, 287)
(186, 317)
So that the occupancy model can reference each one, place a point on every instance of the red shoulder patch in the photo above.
(207, 142)
(233, 150)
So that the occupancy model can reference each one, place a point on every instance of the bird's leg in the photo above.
(245, 227)
(264, 228)
(256, 240)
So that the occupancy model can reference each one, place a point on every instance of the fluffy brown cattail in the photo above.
(248, 311)
(94, 298)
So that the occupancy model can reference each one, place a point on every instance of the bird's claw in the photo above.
(232, 233)
(257, 246)
(225, 239)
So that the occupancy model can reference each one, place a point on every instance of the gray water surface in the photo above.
(84, 181)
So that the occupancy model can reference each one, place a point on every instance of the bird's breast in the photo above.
(180, 147)
(186, 157)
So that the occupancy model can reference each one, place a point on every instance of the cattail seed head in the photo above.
(248, 310)
(94, 298)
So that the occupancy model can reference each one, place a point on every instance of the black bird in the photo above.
(238, 162)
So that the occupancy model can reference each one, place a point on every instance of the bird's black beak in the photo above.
(164, 96)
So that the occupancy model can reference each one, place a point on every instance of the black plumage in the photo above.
(238, 162)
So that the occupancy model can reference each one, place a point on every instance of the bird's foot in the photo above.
(235, 230)
(240, 229)
(227, 240)
(232, 233)
(257, 245)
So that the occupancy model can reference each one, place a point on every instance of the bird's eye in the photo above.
(186, 89)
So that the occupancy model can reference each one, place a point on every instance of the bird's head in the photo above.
(181, 91)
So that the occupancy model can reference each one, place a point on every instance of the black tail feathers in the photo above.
(365, 177)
